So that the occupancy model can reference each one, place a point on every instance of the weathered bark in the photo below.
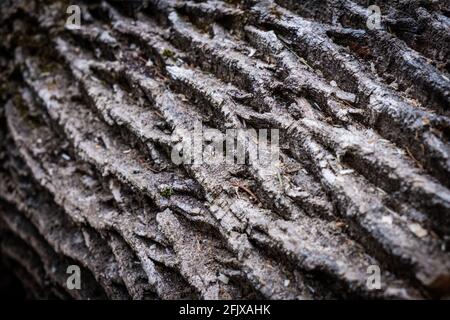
(90, 117)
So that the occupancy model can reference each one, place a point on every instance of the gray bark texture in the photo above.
(90, 116)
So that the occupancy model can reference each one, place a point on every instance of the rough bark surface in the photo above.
(90, 116)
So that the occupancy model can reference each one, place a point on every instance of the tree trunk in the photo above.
(94, 113)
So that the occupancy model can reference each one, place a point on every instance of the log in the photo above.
(92, 115)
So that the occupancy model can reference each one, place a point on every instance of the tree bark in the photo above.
(91, 115)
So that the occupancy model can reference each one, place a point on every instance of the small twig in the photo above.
(302, 60)
(279, 179)
(415, 160)
(158, 114)
(245, 189)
